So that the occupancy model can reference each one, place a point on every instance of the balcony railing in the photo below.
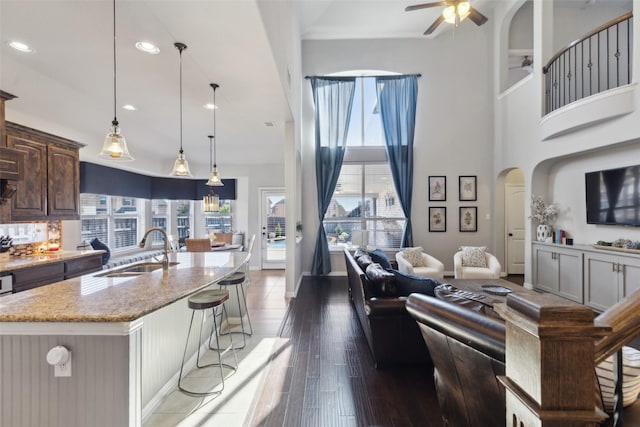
(599, 61)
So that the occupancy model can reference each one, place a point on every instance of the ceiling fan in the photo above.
(454, 12)
(527, 65)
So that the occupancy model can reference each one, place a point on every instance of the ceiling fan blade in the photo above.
(477, 17)
(433, 26)
(426, 5)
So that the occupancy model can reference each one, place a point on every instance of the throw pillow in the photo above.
(474, 256)
(364, 261)
(630, 382)
(471, 300)
(380, 257)
(358, 253)
(407, 284)
(98, 245)
(414, 256)
(382, 281)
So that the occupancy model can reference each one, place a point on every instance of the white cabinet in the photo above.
(584, 274)
(609, 278)
(558, 269)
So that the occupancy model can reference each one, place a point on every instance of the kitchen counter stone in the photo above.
(91, 298)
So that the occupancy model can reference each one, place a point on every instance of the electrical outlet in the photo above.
(63, 370)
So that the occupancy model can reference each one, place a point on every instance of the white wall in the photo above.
(454, 133)
(567, 189)
(554, 166)
(282, 29)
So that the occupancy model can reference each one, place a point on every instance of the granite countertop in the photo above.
(18, 262)
(96, 298)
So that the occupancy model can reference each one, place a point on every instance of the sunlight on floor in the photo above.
(243, 387)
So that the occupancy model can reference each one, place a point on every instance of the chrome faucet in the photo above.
(165, 258)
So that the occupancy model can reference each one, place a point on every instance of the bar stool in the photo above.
(238, 279)
(204, 300)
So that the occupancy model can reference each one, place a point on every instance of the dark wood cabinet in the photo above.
(45, 274)
(30, 201)
(49, 187)
(32, 277)
(85, 265)
(11, 164)
(63, 183)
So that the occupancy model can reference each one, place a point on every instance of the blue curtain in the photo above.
(397, 97)
(332, 99)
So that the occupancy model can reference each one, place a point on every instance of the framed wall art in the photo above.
(437, 188)
(438, 219)
(467, 188)
(468, 218)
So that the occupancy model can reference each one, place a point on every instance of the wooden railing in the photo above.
(624, 321)
(599, 61)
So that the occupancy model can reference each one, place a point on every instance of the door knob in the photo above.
(510, 234)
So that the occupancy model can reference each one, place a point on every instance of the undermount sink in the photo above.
(145, 267)
(135, 270)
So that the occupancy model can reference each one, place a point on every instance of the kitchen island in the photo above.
(126, 334)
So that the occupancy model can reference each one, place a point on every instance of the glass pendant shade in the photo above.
(211, 203)
(214, 180)
(181, 166)
(115, 146)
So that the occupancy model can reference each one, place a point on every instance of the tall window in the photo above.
(160, 210)
(365, 208)
(219, 222)
(184, 216)
(114, 220)
(365, 127)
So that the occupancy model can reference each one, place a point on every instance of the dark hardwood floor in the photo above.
(323, 373)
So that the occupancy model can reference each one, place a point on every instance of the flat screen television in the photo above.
(613, 196)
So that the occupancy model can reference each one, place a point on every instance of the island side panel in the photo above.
(96, 394)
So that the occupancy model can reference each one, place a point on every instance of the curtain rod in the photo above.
(349, 77)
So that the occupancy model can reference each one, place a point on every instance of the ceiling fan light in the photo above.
(463, 9)
(115, 146)
(181, 166)
(449, 14)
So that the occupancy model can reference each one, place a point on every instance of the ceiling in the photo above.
(65, 87)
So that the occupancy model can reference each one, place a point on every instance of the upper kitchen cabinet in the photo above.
(49, 188)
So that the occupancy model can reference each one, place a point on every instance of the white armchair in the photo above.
(492, 271)
(434, 268)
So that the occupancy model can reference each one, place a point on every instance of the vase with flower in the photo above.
(542, 214)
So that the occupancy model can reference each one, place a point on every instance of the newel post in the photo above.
(550, 377)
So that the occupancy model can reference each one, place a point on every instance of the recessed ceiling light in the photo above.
(22, 47)
(210, 106)
(147, 47)
(129, 107)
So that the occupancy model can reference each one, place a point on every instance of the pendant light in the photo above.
(115, 146)
(214, 178)
(181, 166)
(211, 201)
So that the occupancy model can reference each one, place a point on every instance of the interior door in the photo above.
(515, 228)
(274, 248)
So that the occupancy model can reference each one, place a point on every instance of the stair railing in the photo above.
(598, 61)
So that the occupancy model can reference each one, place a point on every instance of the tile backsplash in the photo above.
(41, 237)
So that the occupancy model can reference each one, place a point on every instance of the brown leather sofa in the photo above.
(393, 336)
(467, 349)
